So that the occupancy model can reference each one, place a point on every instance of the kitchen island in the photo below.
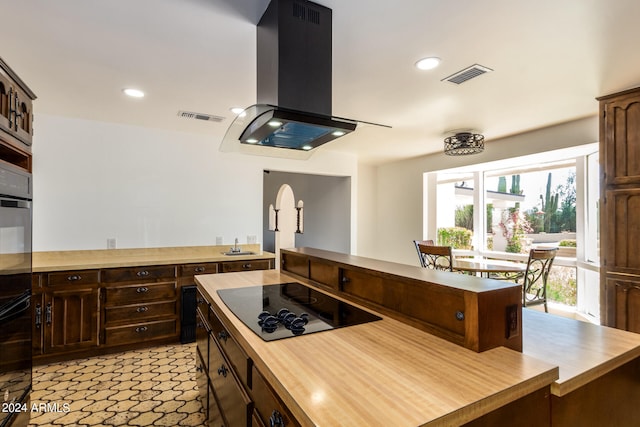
(382, 373)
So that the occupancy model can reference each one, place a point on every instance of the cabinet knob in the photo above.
(74, 278)
(246, 265)
(143, 273)
(459, 315)
(223, 335)
(142, 309)
(140, 329)
(276, 420)
(222, 370)
(142, 290)
(199, 269)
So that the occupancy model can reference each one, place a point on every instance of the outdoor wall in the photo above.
(149, 188)
(399, 194)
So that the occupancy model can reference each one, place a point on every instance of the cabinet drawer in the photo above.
(233, 401)
(202, 338)
(231, 266)
(139, 332)
(214, 417)
(127, 274)
(203, 305)
(137, 312)
(256, 421)
(80, 277)
(138, 293)
(202, 380)
(239, 360)
(193, 269)
(268, 407)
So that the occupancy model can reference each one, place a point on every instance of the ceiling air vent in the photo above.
(467, 74)
(200, 116)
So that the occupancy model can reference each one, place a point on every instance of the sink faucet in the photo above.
(235, 247)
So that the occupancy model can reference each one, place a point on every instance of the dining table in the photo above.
(510, 270)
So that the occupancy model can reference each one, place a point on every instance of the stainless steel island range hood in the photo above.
(292, 116)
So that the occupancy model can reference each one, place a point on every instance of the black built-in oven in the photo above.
(15, 294)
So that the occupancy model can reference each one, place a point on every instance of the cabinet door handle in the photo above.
(48, 313)
(276, 420)
(246, 265)
(199, 269)
(140, 329)
(38, 311)
(223, 335)
(143, 273)
(142, 290)
(142, 309)
(74, 278)
(222, 370)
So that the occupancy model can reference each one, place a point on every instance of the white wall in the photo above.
(149, 188)
(399, 193)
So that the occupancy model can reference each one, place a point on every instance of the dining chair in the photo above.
(434, 257)
(534, 287)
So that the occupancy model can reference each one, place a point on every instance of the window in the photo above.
(501, 212)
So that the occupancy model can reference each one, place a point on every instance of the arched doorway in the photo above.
(285, 237)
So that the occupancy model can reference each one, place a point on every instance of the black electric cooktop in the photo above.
(288, 310)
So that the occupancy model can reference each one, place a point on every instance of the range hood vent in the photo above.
(467, 74)
(294, 67)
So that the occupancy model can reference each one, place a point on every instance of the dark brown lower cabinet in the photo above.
(622, 296)
(70, 318)
(231, 388)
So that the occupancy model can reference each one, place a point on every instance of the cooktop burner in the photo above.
(291, 309)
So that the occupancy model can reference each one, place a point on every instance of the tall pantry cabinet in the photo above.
(620, 209)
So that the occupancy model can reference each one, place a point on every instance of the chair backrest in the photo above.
(425, 243)
(434, 257)
(535, 277)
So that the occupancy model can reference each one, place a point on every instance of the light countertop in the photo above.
(109, 258)
(583, 351)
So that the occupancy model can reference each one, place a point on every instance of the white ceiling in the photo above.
(551, 59)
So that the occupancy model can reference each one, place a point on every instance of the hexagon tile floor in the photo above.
(151, 387)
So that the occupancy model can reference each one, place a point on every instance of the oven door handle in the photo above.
(14, 203)
(16, 307)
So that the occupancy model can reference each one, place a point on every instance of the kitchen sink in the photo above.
(238, 253)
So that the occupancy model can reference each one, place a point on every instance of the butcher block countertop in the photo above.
(379, 373)
(582, 350)
(109, 258)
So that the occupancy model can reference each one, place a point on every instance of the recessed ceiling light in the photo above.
(237, 110)
(338, 133)
(134, 93)
(307, 147)
(275, 123)
(252, 140)
(428, 63)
